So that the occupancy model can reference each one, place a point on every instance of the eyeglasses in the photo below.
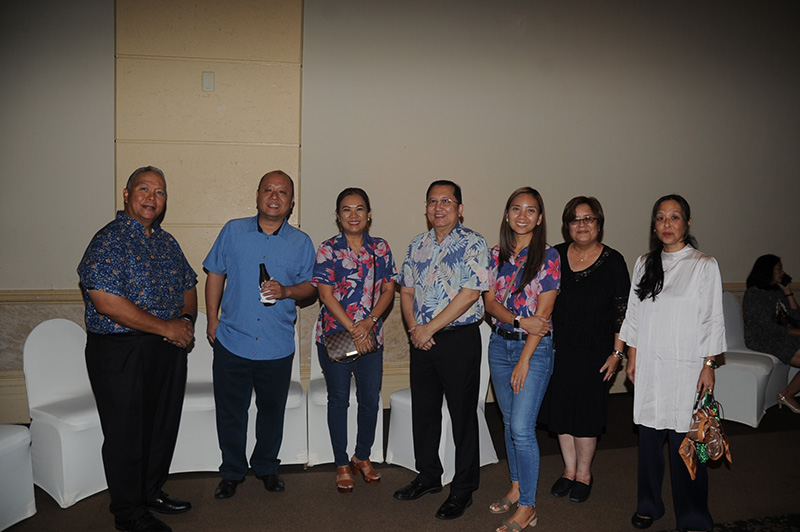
(446, 202)
(588, 220)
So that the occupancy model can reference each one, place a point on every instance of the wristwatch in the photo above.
(188, 317)
(516, 322)
(373, 318)
(711, 364)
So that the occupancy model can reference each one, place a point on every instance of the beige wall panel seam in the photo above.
(291, 64)
(209, 143)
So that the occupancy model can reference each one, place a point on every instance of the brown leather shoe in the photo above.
(365, 469)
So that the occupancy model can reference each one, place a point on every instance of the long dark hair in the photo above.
(652, 282)
(536, 249)
(763, 273)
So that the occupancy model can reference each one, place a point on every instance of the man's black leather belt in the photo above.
(123, 334)
(512, 335)
(454, 328)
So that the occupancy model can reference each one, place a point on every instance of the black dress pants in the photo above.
(138, 383)
(690, 497)
(450, 369)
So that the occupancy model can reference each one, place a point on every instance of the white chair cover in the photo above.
(66, 438)
(197, 448)
(16, 475)
(319, 441)
(400, 448)
(749, 381)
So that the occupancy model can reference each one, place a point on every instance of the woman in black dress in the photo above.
(587, 317)
(772, 320)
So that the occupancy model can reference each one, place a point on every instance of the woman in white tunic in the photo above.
(674, 329)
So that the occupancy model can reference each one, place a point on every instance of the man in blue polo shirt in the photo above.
(254, 341)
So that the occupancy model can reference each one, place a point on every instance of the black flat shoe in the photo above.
(144, 523)
(562, 487)
(415, 490)
(164, 504)
(227, 488)
(273, 483)
(454, 507)
(641, 522)
(580, 491)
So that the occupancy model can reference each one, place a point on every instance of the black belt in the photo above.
(512, 335)
(123, 334)
(456, 328)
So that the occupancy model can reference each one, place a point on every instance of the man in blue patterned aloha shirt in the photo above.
(141, 303)
(441, 281)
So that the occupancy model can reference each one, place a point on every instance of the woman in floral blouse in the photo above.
(355, 276)
(524, 277)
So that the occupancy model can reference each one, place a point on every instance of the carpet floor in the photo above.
(758, 492)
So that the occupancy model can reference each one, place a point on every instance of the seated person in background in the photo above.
(772, 320)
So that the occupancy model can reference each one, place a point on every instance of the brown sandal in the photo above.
(501, 506)
(365, 469)
(344, 480)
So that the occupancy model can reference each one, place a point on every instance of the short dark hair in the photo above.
(763, 273)
(569, 215)
(143, 170)
(279, 172)
(445, 183)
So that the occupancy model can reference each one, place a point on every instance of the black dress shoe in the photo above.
(164, 504)
(415, 490)
(562, 487)
(580, 491)
(641, 522)
(144, 523)
(454, 507)
(227, 488)
(273, 482)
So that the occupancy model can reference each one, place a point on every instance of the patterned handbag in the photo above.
(342, 348)
(706, 440)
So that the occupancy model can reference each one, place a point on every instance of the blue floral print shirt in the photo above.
(525, 303)
(150, 271)
(437, 272)
(357, 286)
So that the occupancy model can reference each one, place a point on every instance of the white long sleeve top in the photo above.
(672, 335)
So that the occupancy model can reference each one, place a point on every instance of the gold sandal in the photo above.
(365, 469)
(344, 480)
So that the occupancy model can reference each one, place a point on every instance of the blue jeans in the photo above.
(368, 370)
(521, 410)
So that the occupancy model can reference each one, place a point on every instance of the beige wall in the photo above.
(212, 146)
(623, 101)
(56, 137)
